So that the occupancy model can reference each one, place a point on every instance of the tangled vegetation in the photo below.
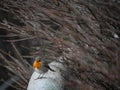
(84, 34)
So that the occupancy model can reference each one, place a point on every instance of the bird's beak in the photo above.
(37, 64)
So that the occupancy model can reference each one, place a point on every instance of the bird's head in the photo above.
(37, 63)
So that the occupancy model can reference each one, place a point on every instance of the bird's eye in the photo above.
(38, 60)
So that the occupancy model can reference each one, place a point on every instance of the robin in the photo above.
(41, 66)
(53, 79)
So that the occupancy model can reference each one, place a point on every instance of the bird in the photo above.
(52, 78)
(41, 66)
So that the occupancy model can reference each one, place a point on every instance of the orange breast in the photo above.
(37, 64)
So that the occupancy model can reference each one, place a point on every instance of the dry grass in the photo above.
(80, 32)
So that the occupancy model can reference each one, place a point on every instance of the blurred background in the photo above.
(85, 34)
